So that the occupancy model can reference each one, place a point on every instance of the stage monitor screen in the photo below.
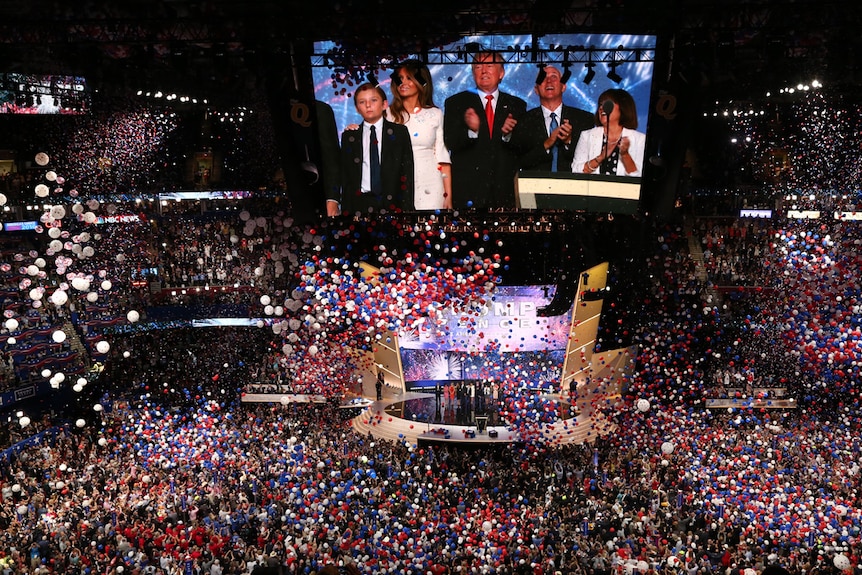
(503, 340)
(43, 94)
(612, 61)
(755, 213)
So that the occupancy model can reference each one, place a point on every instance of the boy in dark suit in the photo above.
(376, 159)
(477, 128)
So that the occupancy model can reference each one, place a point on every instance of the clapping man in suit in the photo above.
(376, 159)
(477, 129)
(546, 136)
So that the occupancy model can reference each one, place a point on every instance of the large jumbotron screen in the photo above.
(43, 94)
(503, 340)
(335, 78)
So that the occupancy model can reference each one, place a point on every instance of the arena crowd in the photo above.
(173, 474)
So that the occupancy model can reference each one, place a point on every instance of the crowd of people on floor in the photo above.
(173, 474)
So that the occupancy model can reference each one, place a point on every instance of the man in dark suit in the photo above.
(376, 159)
(330, 156)
(547, 135)
(477, 129)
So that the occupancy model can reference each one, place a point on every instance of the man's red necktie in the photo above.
(489, 114)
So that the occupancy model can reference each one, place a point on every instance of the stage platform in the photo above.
(406, 417)
(750, 403)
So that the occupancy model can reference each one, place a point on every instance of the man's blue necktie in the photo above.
(554, 151)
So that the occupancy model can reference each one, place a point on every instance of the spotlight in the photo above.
(591, 73)
(540, 77)
(567, 68)
(612, 75)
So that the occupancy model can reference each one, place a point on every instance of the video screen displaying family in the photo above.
(488, 122)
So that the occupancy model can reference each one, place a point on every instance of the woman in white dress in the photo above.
(613, 147)
(413, 105)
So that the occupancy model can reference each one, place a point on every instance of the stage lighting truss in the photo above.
(561, 55)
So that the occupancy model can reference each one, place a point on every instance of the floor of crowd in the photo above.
(290, 485)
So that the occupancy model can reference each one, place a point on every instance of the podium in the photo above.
(577, 192)
(481, 423)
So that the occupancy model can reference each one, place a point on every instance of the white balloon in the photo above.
(103, 442)
(643, 405)
(3, 199)
(11, 324)
(59, 297)
(841, 562)
(667, 447)
(59, 336)
(92, 297)
(265, 300)
(98, 407)
(42, 159)
(80, 423)
(103, 346)
(133, 316)
(107, 285)
(81, 284)
(55, 233)
(42, 190)
(24, 421)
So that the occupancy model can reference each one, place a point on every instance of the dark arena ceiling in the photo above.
(708, 54)
(726, 50)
